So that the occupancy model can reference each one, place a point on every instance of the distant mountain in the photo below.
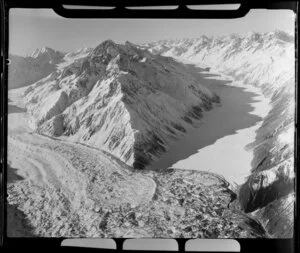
(47, 54)
(24, 71)
(118, 98)
(256, 58)
(79, 53)
(265, 60)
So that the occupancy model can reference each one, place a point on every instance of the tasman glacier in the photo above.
(118, 98)
(267, 61)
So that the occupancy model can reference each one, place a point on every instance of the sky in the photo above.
(30, 29)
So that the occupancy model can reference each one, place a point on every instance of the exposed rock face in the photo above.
(266, 61)
(120, 99)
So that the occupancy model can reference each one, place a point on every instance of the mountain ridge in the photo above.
(84, 99)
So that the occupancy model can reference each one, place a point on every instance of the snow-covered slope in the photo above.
(119, 98)
(267, 61)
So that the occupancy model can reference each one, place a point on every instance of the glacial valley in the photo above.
(94, 139)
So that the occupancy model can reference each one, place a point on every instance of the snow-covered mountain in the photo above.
(79, 53)
(118, 98)
(47, 54)
(253, 58)
(24, 71)
(265, 60)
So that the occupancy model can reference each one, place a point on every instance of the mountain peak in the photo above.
(281, 35)
(103, 47)
(46, 52)
(45, 49)
(128, 43)
(253, 36)
(40, 51)
(108, 43)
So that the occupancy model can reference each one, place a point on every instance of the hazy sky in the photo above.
(31, 29)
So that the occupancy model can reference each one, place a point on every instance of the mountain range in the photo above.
(133, 101)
